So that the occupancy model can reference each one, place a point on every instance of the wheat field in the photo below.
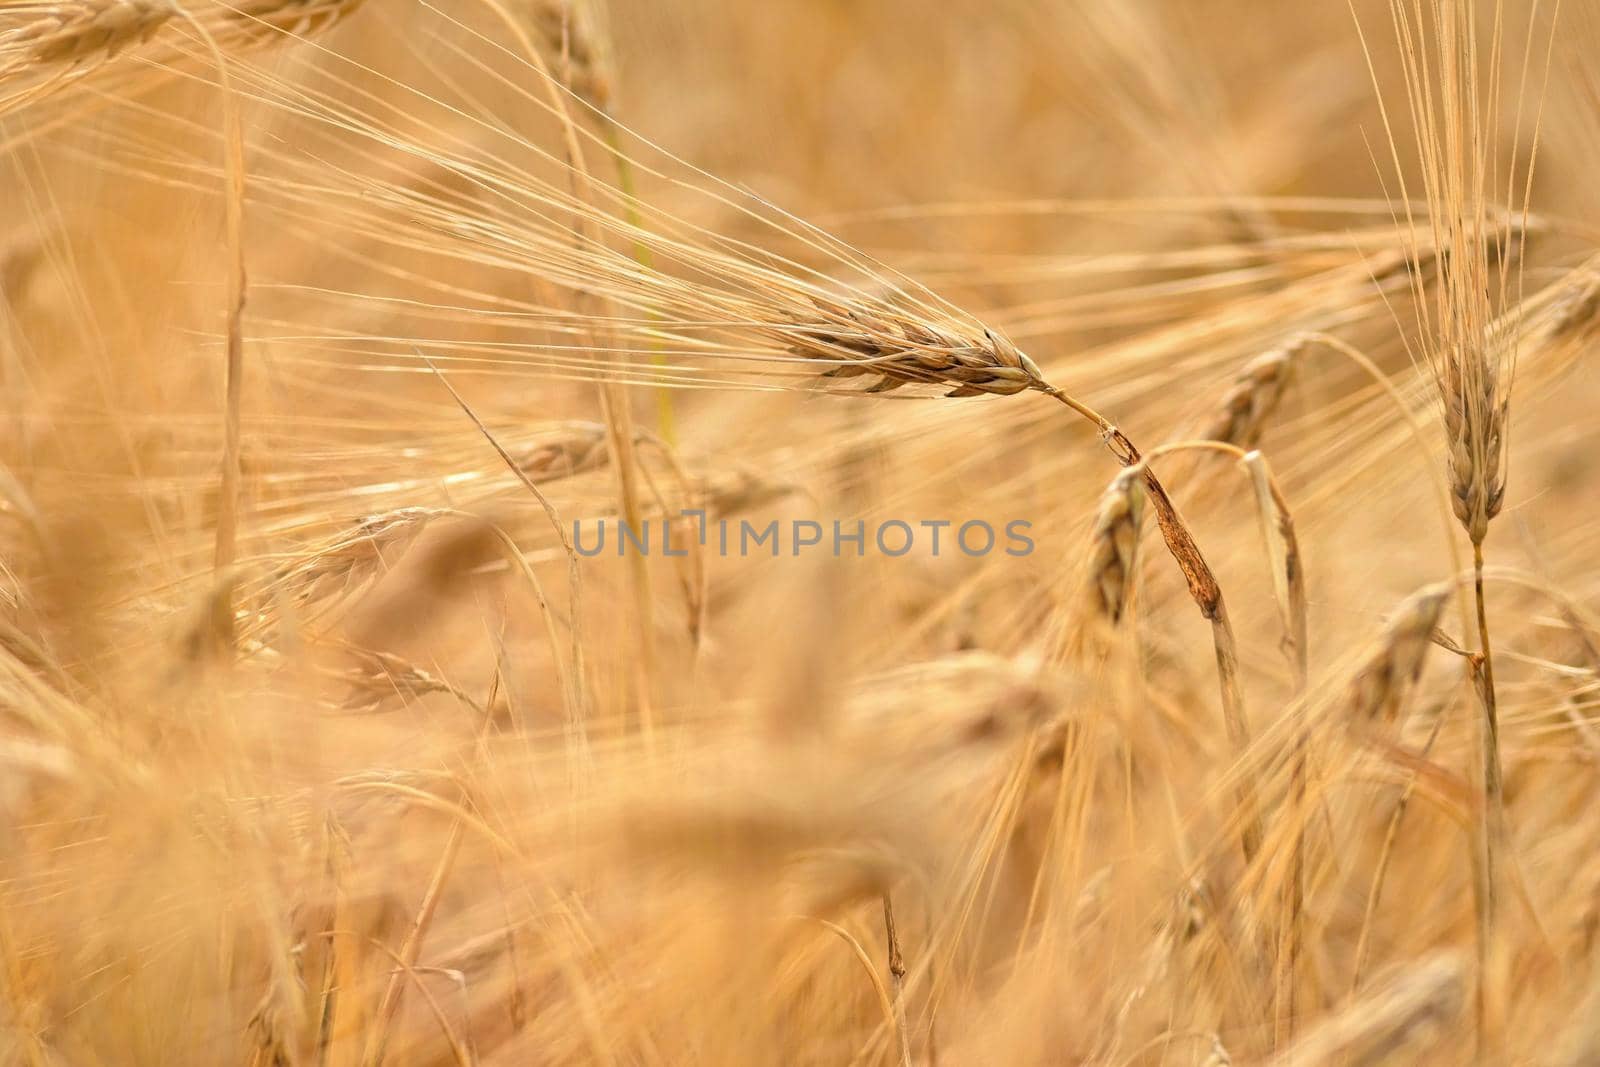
(803, 532)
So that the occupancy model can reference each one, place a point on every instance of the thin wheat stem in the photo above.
(1207, 595)
(1491, 827)
(897, 978)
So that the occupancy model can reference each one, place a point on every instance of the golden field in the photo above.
(1261, 729)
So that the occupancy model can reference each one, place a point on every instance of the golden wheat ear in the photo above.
(47, 46)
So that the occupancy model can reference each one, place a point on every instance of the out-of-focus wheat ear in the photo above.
(571, 30)
(575, 448)
(258, 21)
(78, 34)
(1114, 547)
(1380, 686)
(1395, 1023)
(350, 558)
(1575, 309)
(272, 1028)
(1255, 395)
(44, 46)
(373, 677)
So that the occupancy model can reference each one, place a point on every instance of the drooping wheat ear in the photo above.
(374, 677)
(1255, 395)
(896, 350)
(1394, 1023)
(1114, 546)
(578, 449)
(350, 559)
(74, 34)
(1573, 307)
(571, 33)
(1396, 662)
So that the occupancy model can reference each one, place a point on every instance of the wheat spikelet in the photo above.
(77, 33)
(1254, 396)
(373, 677)
(253, 20)
(578, 449)
(1475, 412)
(897, 350)
(1575, 307)
(571, 33)
(1560, 316)
(47, 45)
(1398, 658)
(1114, 546)
(353, 557)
